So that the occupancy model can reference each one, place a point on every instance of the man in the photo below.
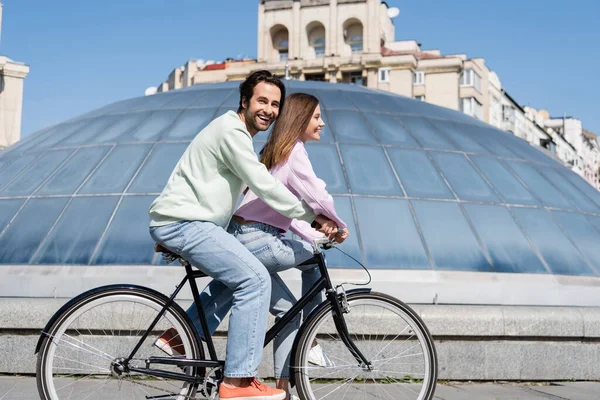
(196, 205)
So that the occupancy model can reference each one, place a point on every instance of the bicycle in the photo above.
(374, 343)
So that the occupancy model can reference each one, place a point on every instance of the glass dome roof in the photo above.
(421, 187)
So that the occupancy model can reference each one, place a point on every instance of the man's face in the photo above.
(262, 108)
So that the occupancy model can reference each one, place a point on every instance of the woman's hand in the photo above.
(326, 226)
(341, 236)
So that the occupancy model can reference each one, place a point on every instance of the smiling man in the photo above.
(189, 218)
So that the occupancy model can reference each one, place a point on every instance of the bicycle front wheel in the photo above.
(81, 356)
(387, 332)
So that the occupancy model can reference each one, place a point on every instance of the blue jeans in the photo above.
(277, 253)
(215, 252)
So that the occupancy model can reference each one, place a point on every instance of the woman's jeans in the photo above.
(221, 256)
(276, 253)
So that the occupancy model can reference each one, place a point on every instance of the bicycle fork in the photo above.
(339, 307)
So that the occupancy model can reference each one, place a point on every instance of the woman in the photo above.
(261, 230)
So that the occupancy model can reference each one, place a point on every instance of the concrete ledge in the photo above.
(473, 342)
(417, 287)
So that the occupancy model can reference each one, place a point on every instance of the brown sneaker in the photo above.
(253, 389)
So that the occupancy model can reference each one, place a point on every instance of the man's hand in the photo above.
(325, 226)
(341, 236)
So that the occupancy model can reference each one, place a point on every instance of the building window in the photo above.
(470, 78)
(508, 113)
(418, 78)
(420, 98)
(384, 75)
(353, 35)
(356, 44)
(319, 46)
(470, 106)
(356, 78)
(283, 50)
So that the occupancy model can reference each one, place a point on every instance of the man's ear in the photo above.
(244, 102)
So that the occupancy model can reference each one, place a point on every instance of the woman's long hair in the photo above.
(291, 123)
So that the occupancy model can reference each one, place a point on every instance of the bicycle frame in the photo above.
(323, 283)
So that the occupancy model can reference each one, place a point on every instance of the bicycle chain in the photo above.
(161, 389)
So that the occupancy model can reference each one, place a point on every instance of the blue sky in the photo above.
(84, 54)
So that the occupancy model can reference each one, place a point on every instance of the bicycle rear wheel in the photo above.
(388, 333)
(80, 355)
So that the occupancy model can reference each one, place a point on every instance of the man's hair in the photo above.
(247, 87)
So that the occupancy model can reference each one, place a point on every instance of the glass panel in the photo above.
(157, 101)
(583, 234)
(334, 99)
(258, 147)
(539, 185)
(326, 164)
(389, 235)
(418, 175)
(189, 124)
(12, 170)
(389, 130)
(124, 123)
(152, 126)
(127, 239)
(462, 140)
(490, 139)
(41, 169)
(56, 135)
(464, 179)
(509, 187)
(425, 133)
(350, 127)
(68, 178)
(184, 99)
(116, 170)
(153, 176)
(20, 241)
(91, 129)
(449, 238)
(580, 184)
(343, 208)
(232, 100)
(76, 234)
(361, 163)
(215, 98)
(505, 242)
(568, 190)
(363, 102)
(595, 220)
(4, 161)
(557, 251)
(8, 209)
(528, 152)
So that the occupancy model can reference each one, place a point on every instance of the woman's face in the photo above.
(313, 131)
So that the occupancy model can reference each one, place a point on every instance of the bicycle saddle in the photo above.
(162, 249)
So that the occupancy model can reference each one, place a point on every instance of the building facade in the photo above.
(12, 74)
(353, 41)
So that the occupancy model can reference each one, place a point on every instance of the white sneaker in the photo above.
(316, 356)
(163, 345)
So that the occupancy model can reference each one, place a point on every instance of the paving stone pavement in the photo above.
(24, 388)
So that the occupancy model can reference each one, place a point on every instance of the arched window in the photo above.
(353, 35)
(280, 41)
(315, 33)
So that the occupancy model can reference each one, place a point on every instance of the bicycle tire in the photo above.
(375, 321)
(98, 328)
